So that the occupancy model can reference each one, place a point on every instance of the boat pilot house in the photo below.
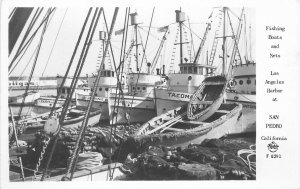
(201, 69)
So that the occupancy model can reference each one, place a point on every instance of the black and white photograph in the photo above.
(145, 92)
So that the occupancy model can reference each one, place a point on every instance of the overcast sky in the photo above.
(163, 15)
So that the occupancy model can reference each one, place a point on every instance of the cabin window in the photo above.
(181, 69)
(184, 69)
(106, 89)
(108, 73)
(248, 81)
(144, 88)
(63, 90)
(241, 82)
(195, 70)
(68, 90)
(100, 89)
(113, 74)
(255, 81)
(138, 88)
(190, 70)
(133, 88)
(200, 71)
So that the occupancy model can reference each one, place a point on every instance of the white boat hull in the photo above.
(168, 100)
(100, 103)
(137, 110)
(248, 121)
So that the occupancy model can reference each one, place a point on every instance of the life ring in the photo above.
(232, 83)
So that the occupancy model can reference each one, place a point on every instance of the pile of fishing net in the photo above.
(214, 159)
(104, 140)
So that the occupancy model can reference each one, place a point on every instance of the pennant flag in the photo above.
(163, 29)
(119, 32)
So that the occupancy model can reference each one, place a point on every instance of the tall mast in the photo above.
(180, 19)
(102, 38)
(224, 41)
(250, 54)
(133, 17)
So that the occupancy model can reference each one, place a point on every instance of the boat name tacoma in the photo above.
(180, 95)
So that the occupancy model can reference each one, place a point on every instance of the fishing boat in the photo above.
(242, 86)
(107, 82)
(207, 99)
(45, 103)
(30, 98)
(242, 89)
(138, 104)
(181, 85)
(174, 129)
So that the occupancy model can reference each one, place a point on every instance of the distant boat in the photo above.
(30, 98)
(44, 104)
(173, 129)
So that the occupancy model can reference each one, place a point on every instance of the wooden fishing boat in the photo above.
(174, 129)
(207, 99)
(73, 119)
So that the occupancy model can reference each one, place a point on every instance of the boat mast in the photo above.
(250, 54)
(180, 19)
(224, 41)
(102, 38)
(135, 24)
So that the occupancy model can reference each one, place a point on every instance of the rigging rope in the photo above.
(84, 123)
(32, 36)
(54, 42)
(35, 61)
(121, 94)
(141, 63)
(60, 91)
(31, 24)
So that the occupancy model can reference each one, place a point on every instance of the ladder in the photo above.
(171, 68)
(215, 43)
(100, 57)
(188, 46)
